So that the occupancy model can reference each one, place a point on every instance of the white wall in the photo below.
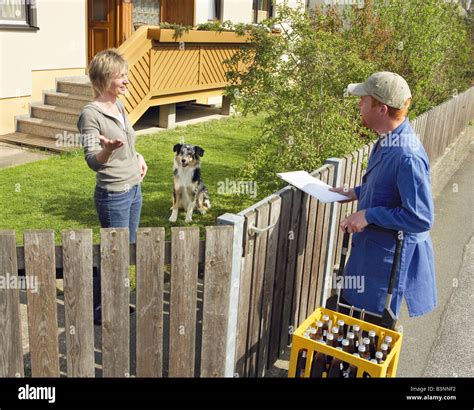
(237, 11)
(59, 43)
(202, 11)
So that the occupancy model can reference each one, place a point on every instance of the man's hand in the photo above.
(349, 192)
(143, 166)
(355, 222)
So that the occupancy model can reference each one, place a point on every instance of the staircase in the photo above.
(51, 124)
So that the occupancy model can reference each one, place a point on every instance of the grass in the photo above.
(57, 193)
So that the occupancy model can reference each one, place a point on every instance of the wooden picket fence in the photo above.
(76, 256)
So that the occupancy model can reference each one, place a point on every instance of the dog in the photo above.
(189, 192)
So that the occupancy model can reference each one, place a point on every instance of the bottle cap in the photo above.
(319, 324)
(384, 346)
(339, 348)
(372, 333)
(345, 342)
(325, 317)
(312, 331)
(388, 339)
(361, 348)
(340, 322)
(350, 335)
(366, 340)
(330, 336)
(335, 329)
(356, 328)
(356, 354)
(374, 361)
(378, 355)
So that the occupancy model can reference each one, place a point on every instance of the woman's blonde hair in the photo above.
(103, 67)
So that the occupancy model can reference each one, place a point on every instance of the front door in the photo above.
(178, 12)
(101, 25)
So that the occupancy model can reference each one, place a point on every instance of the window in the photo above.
(262, 9)
(18, 14)
(214, 10)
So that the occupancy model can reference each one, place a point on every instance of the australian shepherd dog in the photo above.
(189, 192)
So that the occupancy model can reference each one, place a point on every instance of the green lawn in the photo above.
(57, 193)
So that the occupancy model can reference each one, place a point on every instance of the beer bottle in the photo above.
(345, 348)
(388, 342)
(350, 338)
(331, 341)
(335, 368)
(366, 343)
(301, 363)
(340, 325)
(357, 335)
(335, 332)
(318, 367)
(312, 333)
(319, 331)
(364, 354)
(384, 350)
(379, 357)
(373, 343)
(325, 325)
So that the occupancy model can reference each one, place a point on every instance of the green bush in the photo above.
(298, 79)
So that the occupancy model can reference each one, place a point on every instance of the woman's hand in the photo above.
(349, 192)
(110, 145)
(143, 166)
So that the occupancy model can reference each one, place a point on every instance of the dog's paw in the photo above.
(188, 220)
(202, 211)
(173, 218)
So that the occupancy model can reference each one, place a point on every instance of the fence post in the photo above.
(332, 231)
(237, 221)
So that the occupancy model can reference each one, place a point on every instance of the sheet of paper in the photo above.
(311, 185)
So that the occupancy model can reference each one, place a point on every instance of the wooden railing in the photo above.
(164, 69)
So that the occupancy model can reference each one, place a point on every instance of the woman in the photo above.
(109, 148)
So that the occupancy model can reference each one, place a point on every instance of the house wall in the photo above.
(238, 11)
(30, 60)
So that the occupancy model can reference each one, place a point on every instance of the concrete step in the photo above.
(34, 141)
(73, 87)
(55, 113)
(46, 128)
(67, 100)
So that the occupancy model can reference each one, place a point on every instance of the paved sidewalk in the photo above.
(433, 340)
(11, 155)
(453, 353)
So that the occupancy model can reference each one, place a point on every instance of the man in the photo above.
(396, 194)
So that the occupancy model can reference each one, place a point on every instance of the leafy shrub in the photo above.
(298, 79)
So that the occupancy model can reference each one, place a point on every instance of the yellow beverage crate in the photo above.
(299, 342)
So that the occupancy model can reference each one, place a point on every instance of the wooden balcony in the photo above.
(165, 70)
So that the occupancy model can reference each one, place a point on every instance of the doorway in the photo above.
(101, 21)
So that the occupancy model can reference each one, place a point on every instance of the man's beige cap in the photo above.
(389, 88)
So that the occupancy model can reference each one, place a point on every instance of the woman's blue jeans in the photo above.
(116, 210)
(119, 209)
